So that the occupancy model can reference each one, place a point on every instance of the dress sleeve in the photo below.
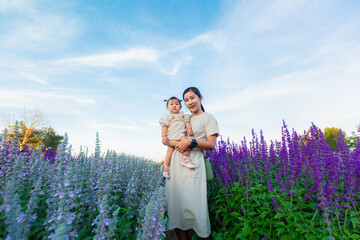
(211, 126)
(164, 121)
(186, 117)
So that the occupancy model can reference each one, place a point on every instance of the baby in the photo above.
(174, 127)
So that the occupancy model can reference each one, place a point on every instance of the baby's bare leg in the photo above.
(187, 151)
(172, 143)
(169, 152)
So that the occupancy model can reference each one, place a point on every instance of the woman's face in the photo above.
(192, 101)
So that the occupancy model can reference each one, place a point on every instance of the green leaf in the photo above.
(310, 236)
(263, 214)
(226, 221)
(280, 224)
(279, 215)
(355, 221)
(355, 236)
(353, 213)
(240, 236)
(281, 230)
(252, 213)
(235, 214)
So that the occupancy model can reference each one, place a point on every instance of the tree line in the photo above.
(33, 131)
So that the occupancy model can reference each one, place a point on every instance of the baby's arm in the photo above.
(189, 129)
(164, 135)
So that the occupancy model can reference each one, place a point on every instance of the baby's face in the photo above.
(174, 106)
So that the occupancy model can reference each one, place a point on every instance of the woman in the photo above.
(186, 189)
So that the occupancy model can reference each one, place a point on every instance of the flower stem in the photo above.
(337, 216)
(345, 219)
(314, 215)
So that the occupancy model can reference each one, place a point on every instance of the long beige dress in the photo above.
(186, 189)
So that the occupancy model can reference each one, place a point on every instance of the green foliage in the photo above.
(50, 139)
(352, 140)
(237, 213)
(331, 136)
(37, 138)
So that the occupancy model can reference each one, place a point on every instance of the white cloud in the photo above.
(18, 98)
(15, 5)
(34, 78)
(257, 94)
(216, 39)
(32, 28)
(40, 32)
(167, 62)
(176, 66)
(116, 59)
(102, 125)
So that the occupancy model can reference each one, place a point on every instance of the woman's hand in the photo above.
(165, 140)
(183, 145)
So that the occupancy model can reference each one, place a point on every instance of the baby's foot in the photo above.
(186, 161)
(165, 171)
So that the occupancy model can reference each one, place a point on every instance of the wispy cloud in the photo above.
(116, 59)
(132, 58)
(31, 28)
(42, 31)
(215, 39)
(175, 66)
(19, 98)
(258, 94)
(272, 15)
(34, 78)
(15, 5)
(124, 124)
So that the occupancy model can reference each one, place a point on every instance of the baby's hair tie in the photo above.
(166, 100)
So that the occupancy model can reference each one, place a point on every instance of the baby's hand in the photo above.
(164, 140)
(190, 132)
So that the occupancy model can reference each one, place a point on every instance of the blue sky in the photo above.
(106, 66)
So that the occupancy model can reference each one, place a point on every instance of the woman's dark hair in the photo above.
(197, 92)
(172, 98)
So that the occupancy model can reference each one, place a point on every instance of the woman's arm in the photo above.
(205, 145)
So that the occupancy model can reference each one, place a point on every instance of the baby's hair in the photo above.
(172, 98)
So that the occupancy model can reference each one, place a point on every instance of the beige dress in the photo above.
(186, 189)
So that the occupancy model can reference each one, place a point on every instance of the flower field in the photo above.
(102, 196)
(296, 188)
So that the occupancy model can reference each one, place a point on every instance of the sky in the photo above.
(106, 66)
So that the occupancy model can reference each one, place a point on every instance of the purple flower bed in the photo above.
(296, 187)
(55, 195)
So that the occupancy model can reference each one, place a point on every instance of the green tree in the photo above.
(33, 132)
(352, 140)
(331, 136)
(51, 140)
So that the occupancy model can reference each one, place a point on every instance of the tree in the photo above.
(50, 140)
(33, 133)
(352, 140)
(32, 119)
(331, 136)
